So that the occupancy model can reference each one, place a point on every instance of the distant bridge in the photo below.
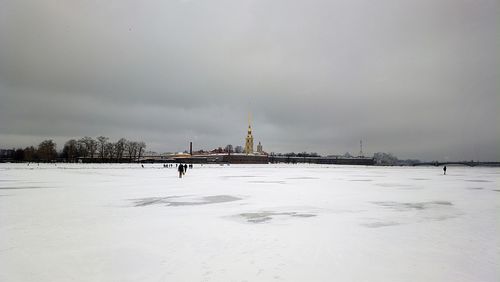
(464, 163)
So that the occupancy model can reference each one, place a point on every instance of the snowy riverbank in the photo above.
(77, 222)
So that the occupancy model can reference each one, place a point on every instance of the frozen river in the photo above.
(73, 222)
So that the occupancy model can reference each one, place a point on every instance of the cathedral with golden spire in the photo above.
(249, 139)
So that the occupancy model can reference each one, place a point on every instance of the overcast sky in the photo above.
(415, 78)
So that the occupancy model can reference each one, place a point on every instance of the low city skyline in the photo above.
(414, 78)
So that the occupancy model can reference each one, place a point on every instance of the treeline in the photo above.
(85, 149)
(389, 159)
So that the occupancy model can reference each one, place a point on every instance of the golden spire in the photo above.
(249, 138)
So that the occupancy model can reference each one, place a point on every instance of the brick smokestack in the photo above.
(191, 148)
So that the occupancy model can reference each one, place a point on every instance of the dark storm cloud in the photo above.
(416, 78)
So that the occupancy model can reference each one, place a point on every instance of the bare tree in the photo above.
(82, 148)
(89, 146)
(109, 151)
(102, 145)
(19, 154)
(92, 147)
(141, 147)
(120, 148)
(70, 150)
(131, 148)
(47, 150)
(385, 159)
(30, 154)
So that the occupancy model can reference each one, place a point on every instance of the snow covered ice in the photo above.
(122, 222)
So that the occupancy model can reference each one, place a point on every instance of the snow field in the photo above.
(121, 222)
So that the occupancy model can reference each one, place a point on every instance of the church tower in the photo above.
(259, 148)
(249, 139)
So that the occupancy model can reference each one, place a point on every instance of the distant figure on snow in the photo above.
(444, 170)
(180, 168)
(185, 168)
(142, 165)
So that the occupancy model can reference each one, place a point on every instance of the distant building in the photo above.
(7, 154)
(249, 140)
(259, 148)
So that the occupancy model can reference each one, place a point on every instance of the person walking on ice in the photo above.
(180, 168)
(444, 170)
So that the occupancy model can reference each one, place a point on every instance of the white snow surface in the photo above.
(122, 222)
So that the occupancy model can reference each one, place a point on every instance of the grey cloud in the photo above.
(416, 78)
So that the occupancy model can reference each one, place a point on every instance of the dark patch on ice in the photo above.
(220, 199)
(496, 190)
(475, 188)
(268, 182)
(152, 201)
(381, 224)
(444, 203)
(363, 180)
(170, 201)
(25, 187)
(302, 214)
(303, 177)
(259, 217)
(412, 206)
(477, 180)
(416, 212)
(420, 178)
(256, 217)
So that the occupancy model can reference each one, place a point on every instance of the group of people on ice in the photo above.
(182, 168)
